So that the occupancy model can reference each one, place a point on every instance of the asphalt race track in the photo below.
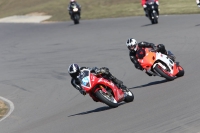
(34, 59)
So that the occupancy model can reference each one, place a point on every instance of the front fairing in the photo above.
(164, 58)
(75, 8)
(171, 65)
(89, 80)
(118, 93)
(148, 60)
(85, 78)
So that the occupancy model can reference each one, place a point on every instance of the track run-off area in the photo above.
(34, 60)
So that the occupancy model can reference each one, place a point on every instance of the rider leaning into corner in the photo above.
(143, 3)
(198, 3)
(70, 7)
(135, 47)
(74, 71)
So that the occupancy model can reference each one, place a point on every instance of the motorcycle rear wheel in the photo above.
(107, 98)
(181, 71)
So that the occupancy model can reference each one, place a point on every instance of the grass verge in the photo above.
(3, 109)
(93, 9)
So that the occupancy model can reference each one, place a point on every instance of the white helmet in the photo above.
(131, 44)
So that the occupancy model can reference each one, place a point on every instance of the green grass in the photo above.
(92, 9)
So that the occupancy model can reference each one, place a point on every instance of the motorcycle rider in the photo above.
(143, 3)
(74, 70)
(70, 7)
(135, 47)
(198, 3)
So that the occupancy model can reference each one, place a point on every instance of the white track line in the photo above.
(11, 105)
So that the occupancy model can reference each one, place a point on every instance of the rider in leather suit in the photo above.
(74, 71)
(133, 46)
(143, 3)
(198, 3)
(70, 7)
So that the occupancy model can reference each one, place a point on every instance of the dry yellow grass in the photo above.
(92, 9)
(3, 109)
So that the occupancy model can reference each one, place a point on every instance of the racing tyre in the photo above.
(129, 97)
(181, 71)
(164, 73)
(76, 19)
(107, 98)
(155, 20)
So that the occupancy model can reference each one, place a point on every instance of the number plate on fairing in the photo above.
(85, 78)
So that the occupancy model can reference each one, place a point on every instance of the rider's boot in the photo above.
(148, 73)
(123, 87)
(118, 83)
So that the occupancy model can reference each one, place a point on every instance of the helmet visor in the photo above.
(132, 47)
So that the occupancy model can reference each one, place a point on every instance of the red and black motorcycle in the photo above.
(103, 90)
(153, 12)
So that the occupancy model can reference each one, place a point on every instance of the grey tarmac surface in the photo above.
(34, 60)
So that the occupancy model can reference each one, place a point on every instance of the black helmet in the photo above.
(74, 70)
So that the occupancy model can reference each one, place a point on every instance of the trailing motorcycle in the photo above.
(152, 12)
(158, 64)
(103, 90)
(75, 14)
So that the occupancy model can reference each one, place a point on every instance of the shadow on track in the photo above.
(96, 110)
(151, 83)
(93, 111)
(146, 25)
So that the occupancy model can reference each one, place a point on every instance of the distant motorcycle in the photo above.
(159, 64)
(75, 14)
(103, 90)
(152, 11)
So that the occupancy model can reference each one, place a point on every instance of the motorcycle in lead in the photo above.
(103, 90)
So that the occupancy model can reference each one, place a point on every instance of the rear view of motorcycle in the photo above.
(152, 11)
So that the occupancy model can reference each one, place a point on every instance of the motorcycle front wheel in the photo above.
(76, 19)
(107, 98)
(181, 71)
(164, 73)
(154, 20)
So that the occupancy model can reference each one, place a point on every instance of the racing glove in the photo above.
(104, 70)
(96, 70)
(153, 46)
